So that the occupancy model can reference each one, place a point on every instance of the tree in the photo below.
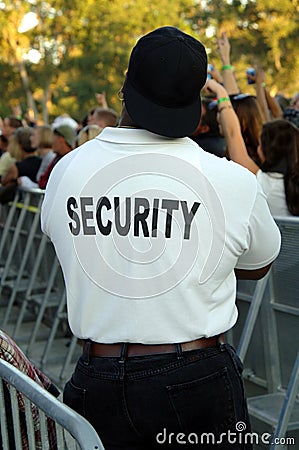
(264, 33)
(84, 45)
(14, 43)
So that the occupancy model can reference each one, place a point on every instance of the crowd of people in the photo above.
(259, 132)
(28, 152)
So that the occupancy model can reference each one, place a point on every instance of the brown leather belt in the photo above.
(115, 350)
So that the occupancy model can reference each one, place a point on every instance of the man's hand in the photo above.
(101, 99)
(223, 46)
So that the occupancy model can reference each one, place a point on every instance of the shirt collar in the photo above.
(135, 136)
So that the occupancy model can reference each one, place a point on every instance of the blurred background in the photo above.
(55, 55)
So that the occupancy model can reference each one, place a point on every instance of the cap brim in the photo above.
(169, 122)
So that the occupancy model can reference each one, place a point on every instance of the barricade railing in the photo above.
(269, 341)
(23, 226)
(35, 292)
(7, 227)
(71, 430)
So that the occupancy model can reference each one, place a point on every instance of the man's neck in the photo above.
(29, 154)
(126, 121)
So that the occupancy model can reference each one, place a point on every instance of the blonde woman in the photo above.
(42, 140)
(12, 155)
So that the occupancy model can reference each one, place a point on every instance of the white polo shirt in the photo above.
(148, 231)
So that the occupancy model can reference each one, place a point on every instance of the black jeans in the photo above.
(193, 399)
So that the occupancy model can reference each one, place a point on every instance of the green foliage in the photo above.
(85, 45)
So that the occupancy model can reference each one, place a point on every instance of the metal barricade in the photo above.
(23, 221)
(33, 309)
(271, 326)
(72, 431)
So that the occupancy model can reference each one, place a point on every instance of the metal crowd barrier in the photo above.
(19, 244)
(31, 284)
(269, 340)
(71, 431)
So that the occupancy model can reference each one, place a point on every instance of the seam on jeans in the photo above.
(185, 361)
(126, 411)
(82, 393)
(201, 381)
(174, 410)
(87, 370)
(232, 353)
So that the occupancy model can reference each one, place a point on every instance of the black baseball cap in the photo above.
(166, 72)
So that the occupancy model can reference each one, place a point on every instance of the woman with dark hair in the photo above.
(279, 174)
(277, 150)
(251, 121)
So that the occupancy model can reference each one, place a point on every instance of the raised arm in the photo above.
(273, 105)
(215, 74)
(230, 127)
(268, 104)
(259, 79)
(229, 80)
(101, 99)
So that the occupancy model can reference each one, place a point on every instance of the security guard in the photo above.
(151, 232)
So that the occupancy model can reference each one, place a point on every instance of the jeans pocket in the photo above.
(204, 405)
(75, 397)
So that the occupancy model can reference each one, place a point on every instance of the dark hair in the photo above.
(280, 146)
(23, 135)
(14, 122)
(84, 121)
(3, 139)
(251, 121)
(283, 101)
(210, 116)
(292, 115)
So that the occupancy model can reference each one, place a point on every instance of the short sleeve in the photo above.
(263, 237)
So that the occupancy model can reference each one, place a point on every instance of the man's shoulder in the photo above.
(232, 182)
(226, 167)
(31, 160)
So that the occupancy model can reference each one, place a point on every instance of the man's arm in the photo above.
(229, 79)
(231, 128)
(256, 274)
